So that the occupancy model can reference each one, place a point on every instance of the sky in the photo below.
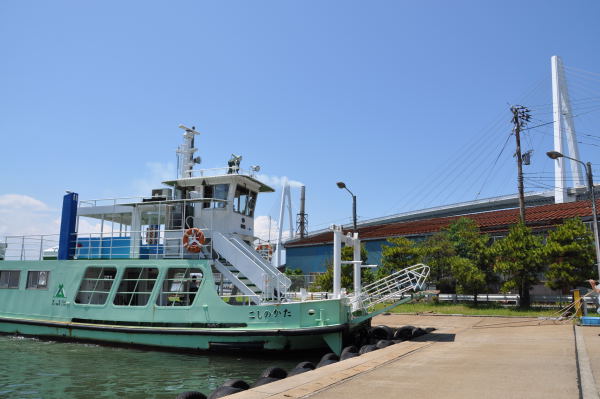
(406, 102)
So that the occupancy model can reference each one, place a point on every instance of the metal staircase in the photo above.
(247, 270)
(391, 288)
(231, 274)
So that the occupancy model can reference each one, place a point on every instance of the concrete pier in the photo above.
(465, 357)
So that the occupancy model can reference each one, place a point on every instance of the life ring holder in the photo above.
(193, 239)
(266, 247)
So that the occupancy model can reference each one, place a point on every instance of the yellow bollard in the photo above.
(578, 303)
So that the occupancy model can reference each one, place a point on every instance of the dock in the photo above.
(465, 357)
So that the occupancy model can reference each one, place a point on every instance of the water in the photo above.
(36, 369)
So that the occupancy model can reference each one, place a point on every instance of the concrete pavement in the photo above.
(465, 357)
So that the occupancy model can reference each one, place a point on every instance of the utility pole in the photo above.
(520, 118)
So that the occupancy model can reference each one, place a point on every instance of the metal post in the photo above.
(357, 266)
(590, 180)
(337, 262)
(41, 248)
(354, 211)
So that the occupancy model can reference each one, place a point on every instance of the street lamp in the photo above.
(343, 186)
(590, 183)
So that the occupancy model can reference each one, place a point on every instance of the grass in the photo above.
(482, 309)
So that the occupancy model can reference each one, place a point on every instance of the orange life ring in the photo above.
(266, 247)
(193, 239)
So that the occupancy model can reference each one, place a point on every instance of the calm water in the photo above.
(31, 368)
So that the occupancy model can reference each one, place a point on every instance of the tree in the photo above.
(458, 257)
(324, 282)
(570, 252)
(436, 252)
(519, 257)
(469, 243)
(470, 279)
(401, 254)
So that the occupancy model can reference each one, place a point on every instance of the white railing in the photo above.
(29, 247)
(508, 299)
(282, 279)
(109, 201)
(232, 278)
(233, 170)
(391, 287)
(146, 244)
(251, 265)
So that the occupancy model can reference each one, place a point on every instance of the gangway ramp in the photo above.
(392, 288)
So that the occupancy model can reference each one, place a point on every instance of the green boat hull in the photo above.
(209, 323)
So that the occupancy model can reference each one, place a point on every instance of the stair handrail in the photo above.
(240, 284)
(264, 279)
(281, 277)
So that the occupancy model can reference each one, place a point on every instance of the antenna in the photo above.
(185, 153)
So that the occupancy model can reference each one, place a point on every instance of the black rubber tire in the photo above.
(191, 395)
(273, 372)
(264, 381)
(417, 332)
(348, 355)
(404, 333)
(381, 332)
(349, 349)
(324, 363)
(241, 384)
(294, 372)
(305, 365)
(224, 391)
(366, 349)
(330, 356)
(383, 343)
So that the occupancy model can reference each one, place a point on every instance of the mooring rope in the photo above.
(561, 316)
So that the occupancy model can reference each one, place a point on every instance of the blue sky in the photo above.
(407, 102)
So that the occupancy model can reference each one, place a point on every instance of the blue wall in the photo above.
(312, 259)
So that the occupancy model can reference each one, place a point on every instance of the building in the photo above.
(493, 216)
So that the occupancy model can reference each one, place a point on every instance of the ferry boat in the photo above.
(178, 269)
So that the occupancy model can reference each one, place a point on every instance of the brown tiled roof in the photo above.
(537, 217)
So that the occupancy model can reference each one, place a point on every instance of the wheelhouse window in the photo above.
(136, 286)
(9, 278)
(218, 192)
(95, 285)
(37, 280)
(244, 201)
(179, 287)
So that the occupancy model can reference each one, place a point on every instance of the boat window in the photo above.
(136, 286)
(37, 280)
(179, 287)
(251, 204)
(95, 285)
(216, 191)
(9, 278)
(244, 201)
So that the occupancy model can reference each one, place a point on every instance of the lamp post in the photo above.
(590, 183)
(343, 186)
